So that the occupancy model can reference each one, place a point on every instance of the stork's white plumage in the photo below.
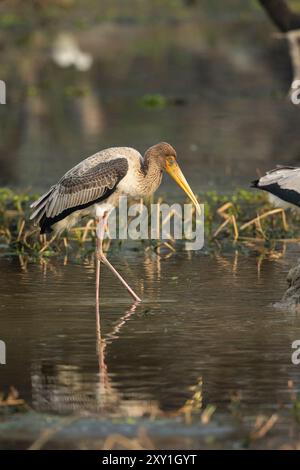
(283, 186)
(94, 186)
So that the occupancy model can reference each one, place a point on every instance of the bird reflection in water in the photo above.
(107, 397)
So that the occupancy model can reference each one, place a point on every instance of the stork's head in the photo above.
(165, 157)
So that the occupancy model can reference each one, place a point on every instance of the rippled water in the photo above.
(201, 316)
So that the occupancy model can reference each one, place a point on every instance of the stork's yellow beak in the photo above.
(174, 170)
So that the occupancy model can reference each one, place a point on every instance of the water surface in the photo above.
(202, 317)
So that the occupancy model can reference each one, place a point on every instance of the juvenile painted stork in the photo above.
(94, 186)
(283, 186)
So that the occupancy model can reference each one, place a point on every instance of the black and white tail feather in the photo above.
(283, 186)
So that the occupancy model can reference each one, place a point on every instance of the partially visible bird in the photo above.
(94, 186)
(283, 186)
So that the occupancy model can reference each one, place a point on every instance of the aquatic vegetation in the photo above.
(158, 101)
(243, 220)
(154, 101)
(11, 402)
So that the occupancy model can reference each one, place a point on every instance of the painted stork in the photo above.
(94, 186)
(283, 186)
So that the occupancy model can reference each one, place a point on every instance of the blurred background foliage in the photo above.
(208, 76)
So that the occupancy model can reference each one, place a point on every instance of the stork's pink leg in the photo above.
(101, 257)
(99, 241)
(118, 275)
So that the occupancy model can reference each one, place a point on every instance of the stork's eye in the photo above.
(171, 160)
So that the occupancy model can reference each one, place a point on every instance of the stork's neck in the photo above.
(151, 175)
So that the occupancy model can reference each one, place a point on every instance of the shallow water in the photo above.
(202, 316)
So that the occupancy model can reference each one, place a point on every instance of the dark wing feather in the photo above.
(81, 187)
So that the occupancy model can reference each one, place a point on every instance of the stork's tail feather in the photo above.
(39, 214)
(41, 199)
